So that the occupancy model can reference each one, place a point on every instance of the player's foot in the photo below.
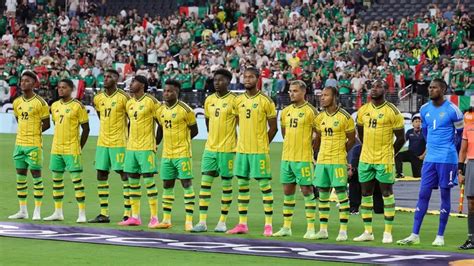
(354, 212)
(400, 176)
(37, 214)
(100, 219)
(131, 221)
(342, 236)
(153, 222)
(438, 242)
(322, 234)
(411, 240)
(267, 230)
(220, 227)
(57, 216)
(163, 225)
(19, 215)
(239, 229)
(284, 231)
(467, 245)
(366, 236)
(188, 226)
(81, 217)
(387, 238)
(310, 234)
(199, 228)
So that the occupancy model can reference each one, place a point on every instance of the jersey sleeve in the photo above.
(350, 125)
(190, 118)
(83, 116)
(282, 117)
(456, 117)
(157, 112)
(97, 102)
(270, 110)
(44, 111)
(15, 108)
(316, 122)
(398, 121)
(206, 107)
(53, 110)
(360, 114)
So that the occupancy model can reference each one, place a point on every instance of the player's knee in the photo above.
(22, 171)
(307, 190)
(211, 173)
(102, 175)
(186, 183)
(36, 173)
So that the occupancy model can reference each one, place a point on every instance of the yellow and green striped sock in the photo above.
(189, 198)
(288, 209)
(267, 195)
(168, 199)
(103, 190)
(38, 190)
(21, 189)
(126, 198)
(324, 209)
(226, 198)
(310, 210)
(366, 208)
(204, 197)
(79, 190)
(152, 194)
(58, 190)
(343, 200)
(389, 212)
(135, 196)
(243, 199)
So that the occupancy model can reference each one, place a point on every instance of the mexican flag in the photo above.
(269, 86)
(463, 102)
(122, 68)
(148, 26)
(79, 88)
(420, 26)
(189, 11)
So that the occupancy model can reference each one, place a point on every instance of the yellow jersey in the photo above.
(175, 121)
(379, 124)
(333, 129)
(67, 117)
(29, 114)
(299, 123)
(113, 118)
(253, 112)
(142, 114)
(222, 135)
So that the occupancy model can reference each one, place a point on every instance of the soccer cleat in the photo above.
(366, 236)
(220, 227)
(188, 226)
(411, 240)
(132, 221)
(199, 228)
(387, 238)
(310, 234)
(19, 215)
(239, 229)
(57, 216)
(284, 231)
(342, 236)
(81, 218)
(100, 219)
(267, 230)
(322, 234)
(467, 245)
(438, 242)
(37, 214)
(153, 222)
(163, 225)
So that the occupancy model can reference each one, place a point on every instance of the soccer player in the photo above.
(297, 126)
(177, 126)
(377, 122)
(466, 174)
(32, 114)
(442, 125)
(335, 136)
(110, 153)
(68, 115)
(255, 110)
(218, 157)
(140, 155)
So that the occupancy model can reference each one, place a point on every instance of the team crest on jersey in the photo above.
(141, 107)
(301, 115)
(380, 115)
(113, 104)
(441, 114)
(173, 115)
(255, 105)
(336, 123)
(67, 110)
(224, 105)
(30, 109)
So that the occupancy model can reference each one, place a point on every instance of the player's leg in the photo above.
(386, 179)
(367, 182)
(185, 174)
(127, 207)
(117, 158)
(35, 162)
(242, 172)
(57, 165)
(74, 167)
(260, 170)
(226, 170)
(132, 171)
(469, 191)
(168, 173)
(147, 162)
(19, 157)
(288, 179)
(428, 182)
(102, 165)
(310, 210)
(323, 183)
(209, 172)
(447, 174)
(339, 178)
(401, 157)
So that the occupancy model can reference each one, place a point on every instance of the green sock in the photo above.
(324, 209)
(243, 199)
(152, 194)
(226, 198)
(58, 190)
(366, 208)
(126, 198)
(189, 198)
(310, 210)
(78, 190)
(389, 212)
(204, 197)
(288, 209)
(168, 199)
(135, 196)
(103, 190)
(267, 195)
(21, 189)
(38, 190)
(343, 207)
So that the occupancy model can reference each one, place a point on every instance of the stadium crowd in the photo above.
(323, 43)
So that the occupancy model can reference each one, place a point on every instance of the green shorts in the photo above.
(107, 159)
(220, 162)
(28, 157)
(140, 162)
(252, 165)
(65, 162)
(382, 172)
(330, 175)
(176, 168)
(300, 173)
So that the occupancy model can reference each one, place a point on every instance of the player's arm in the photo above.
(462, 160)
(283, 131)
(272, 128)
(207, 124)
(360, 133)
(350, 140)
(45, 124)
(194, 130)
(316, 141)
(399, 139)
(84, 134)
(159, 134)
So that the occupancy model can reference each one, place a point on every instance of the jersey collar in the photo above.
(63, 102)
(335, 112)
(380, 106)
(222, 97)
(304, 104)
(173, 106)
(251, 97)
(27, 100)
(115, 92)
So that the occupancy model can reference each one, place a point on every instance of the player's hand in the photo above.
(421, 157)
(461, 178)
(349, 170)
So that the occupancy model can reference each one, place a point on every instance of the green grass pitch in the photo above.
(41, 252)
